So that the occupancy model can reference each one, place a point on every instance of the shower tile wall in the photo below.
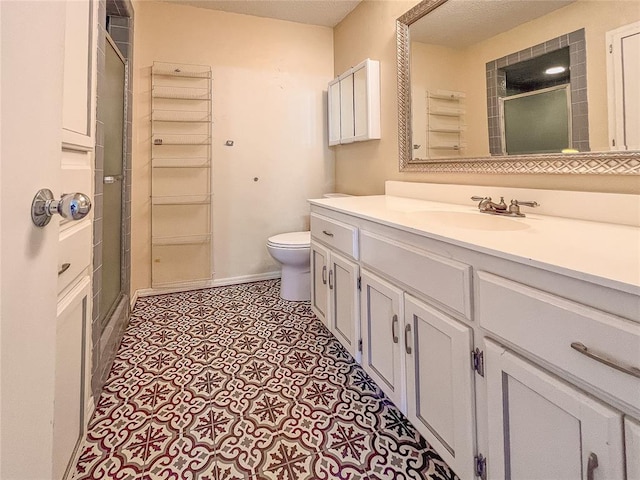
(106, 338)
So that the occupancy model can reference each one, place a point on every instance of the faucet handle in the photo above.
(525, 203)
(475, 198)
(514, 208)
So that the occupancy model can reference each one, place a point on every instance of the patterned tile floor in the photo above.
(235, 383)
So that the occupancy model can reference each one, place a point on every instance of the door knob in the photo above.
(73, 206)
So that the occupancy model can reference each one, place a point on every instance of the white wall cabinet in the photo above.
(354, 104)
(382, 323)
(440, 388)
(540, 427)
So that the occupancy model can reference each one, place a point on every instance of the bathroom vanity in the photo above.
(511, 344)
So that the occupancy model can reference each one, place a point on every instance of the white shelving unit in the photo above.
(445, 123)
(181, 208)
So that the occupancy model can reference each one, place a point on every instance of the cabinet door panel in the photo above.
(360, 106)
(334, 112)
(319, 276)
(540, 427)
(382, 322)
(343, 293)
(71, 324)
(440, 383)
(346, 108)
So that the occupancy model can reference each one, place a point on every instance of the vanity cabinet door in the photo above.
(382, 322)
(344, 317)
(541, 427)
(440, 395)
(319, 281)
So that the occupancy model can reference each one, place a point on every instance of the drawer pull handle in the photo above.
(592, 464)
(607, 361)
(63, 268)
(324, 274)
(330, 279)
(394, 323)
(328, 234)
(407, 331)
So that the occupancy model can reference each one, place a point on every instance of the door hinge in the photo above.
(477, 361)
(610, 48)
(613, 142)
(359, 283)
(480, 466)
(360, 345)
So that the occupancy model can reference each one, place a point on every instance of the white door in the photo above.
(623, 77)
(382, 323)
(344, 319)
(46, 142)
(346, 108)
(541, 427)
(440, 383)
(319, 279)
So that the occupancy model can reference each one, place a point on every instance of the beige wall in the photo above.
(362, 168)
(269, 94)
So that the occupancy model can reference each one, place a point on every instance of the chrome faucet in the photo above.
(488, 206)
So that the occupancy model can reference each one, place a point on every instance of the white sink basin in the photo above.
(472, 220)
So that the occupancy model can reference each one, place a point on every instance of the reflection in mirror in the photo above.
(478, 86)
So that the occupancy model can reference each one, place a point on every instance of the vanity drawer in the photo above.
(547, 325)
(443, 280)
(74, 254)
(339, 236)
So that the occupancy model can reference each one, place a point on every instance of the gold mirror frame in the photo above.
(594, 163)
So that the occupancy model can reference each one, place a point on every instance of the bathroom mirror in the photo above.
(455, 104)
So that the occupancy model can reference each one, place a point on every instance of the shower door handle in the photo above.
(112, 178)
(72, 206)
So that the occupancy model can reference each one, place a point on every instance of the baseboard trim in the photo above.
(187, 286)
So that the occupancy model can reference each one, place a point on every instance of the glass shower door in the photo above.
(112, 106)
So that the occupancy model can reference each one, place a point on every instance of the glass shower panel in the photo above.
(112, 106)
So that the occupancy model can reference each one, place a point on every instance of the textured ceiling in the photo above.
(315, 12)
(460, 23)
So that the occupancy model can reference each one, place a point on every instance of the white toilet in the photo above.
(292, 251)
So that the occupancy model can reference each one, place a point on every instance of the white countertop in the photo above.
(603, 253)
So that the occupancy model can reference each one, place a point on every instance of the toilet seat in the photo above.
(291, 240)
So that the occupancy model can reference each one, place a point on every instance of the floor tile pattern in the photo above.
(233, 383)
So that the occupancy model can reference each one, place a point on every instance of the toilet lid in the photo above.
(291, 240)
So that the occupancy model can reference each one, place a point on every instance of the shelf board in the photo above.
(167, 69)
(446, 130)
(446, 112)
(181, 240)
(193, 162)
(445, 147)
(181, 116)
(203, 199)
(180, 93)
(159, 140)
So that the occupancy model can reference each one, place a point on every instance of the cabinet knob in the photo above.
(324, 274)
